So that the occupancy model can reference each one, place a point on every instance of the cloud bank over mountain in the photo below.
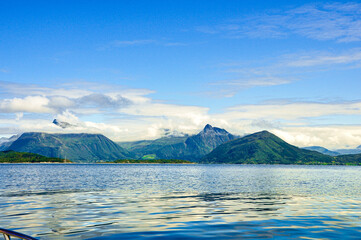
(131, 114)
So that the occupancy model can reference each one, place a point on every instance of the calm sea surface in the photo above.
(108, 201)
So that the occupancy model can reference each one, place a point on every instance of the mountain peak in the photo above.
(208, 127)
(262, 134)
(209, 130)
(62, 124)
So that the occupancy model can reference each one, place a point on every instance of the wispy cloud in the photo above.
(321, 58)
(335, 21)
(175, 44)
(296, 110)
(256, 82)
(119, 43)
(281, 70)
(228, 88)
(3, 70)
(141, 42)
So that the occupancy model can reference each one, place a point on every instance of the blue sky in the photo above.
(132, 69)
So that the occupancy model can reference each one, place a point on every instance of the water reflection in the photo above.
(149, 202)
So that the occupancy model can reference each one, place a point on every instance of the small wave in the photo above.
(295, 228)
(50, 192)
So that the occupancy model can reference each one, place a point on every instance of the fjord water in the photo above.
(119, 201)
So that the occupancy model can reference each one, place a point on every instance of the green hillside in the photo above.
(151, 147)
(81, 147)
(349, 159)
(264, 148)
(24, 157)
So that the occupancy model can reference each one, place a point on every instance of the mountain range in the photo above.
(322, 150)
(337, 152)
(349, 151)
(211, 145)
(190, 148)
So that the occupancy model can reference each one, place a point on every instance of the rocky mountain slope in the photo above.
(187, 148)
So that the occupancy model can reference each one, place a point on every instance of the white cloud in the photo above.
(34, 104)
(94, 99)
(60, 102)
(19, 116)
(103, 100)
(196, 115)
(332, 137)
(68, 117)
(137, 96)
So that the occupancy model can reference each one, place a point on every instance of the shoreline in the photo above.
(193, 163)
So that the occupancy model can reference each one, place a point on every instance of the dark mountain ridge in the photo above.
(6, 142)
(349, 151)
(82, 147)
(322, 150)
(335, 152)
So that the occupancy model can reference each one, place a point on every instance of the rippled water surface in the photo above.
(116, 201)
